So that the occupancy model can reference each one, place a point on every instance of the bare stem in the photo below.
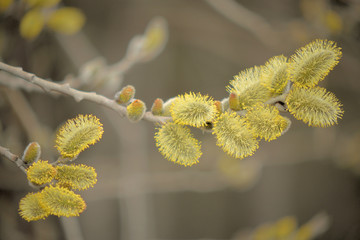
(65, 89)
(13, 158)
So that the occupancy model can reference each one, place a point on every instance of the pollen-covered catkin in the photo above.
(78, 176)
(233, 136)
(41, 172)
(62, 202)
(266, 121)
(31, 207)
(313, 62)
(249, 86)
(193, 109)
(77, 134)
(177, 144)
(314, 106)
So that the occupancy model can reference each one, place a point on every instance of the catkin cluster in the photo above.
(58, 180)
(252, 111)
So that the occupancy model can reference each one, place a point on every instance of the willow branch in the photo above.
(17, 83)
(65, 89)
(13, 158)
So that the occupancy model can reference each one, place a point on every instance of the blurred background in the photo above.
(306, 183)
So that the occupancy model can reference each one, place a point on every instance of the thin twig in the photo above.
(17, 83)
(65, 89)
(12, 157)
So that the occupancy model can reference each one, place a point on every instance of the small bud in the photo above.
(136, 110)
(125, 95)
(218, 106)
(31, 153)
(234, 102)
(158, 107)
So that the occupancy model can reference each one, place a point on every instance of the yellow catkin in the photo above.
(41, 172)
(78, 134)
(62, 202)
(314, 106)
(193, 109)
(266, 121)
(177, 144)
(276, 75)
(77, 176)
(313, 62)
(31, 208)
(233, 136)
(248, 85)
